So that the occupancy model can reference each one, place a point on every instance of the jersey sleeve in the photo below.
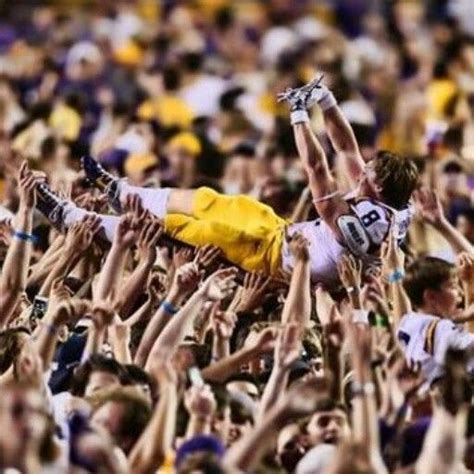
(449, 335)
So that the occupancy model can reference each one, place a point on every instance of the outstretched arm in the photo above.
(344, 142)
(15, 269)
(326, 197)
(429, 206)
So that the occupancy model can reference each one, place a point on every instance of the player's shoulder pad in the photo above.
(353, 233)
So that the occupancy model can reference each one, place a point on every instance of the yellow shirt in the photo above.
(169, 110)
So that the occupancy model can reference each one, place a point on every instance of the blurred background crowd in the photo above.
(183, 94)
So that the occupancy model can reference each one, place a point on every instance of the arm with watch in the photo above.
(15, 269)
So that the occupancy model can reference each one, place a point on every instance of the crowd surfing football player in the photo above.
(248, 232)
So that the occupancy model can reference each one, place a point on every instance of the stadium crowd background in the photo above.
(183, 94)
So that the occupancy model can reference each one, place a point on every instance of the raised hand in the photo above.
(156, 287)
(207, 256)
(27, 182)
(350, 271)
(373, 295)
(298, 246)
(222, 322)
(428, 205)
(182, 256)
(252, 294)
(126, 233)
(186, 279)
(133, 204)
(265, 340)
(148, 240)
(91, 203)
(200, 401)
(219, 285)
(465, 265)
(403, 379)
(288, 346)
(81, 234)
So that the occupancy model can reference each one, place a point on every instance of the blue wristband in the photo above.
(396, 276)
(169, 308)
(25, 236)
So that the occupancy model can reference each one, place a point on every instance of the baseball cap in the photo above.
(138, 163)
(186, 141)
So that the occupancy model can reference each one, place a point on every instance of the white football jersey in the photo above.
(364, 231)
(425, 339)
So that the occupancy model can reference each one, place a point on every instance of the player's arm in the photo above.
(340, 133)
(344, 142)
(327, 200)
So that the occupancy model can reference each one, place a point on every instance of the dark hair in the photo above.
(10, 346)
(96, 363)
(329, 404)
(133, 375)
(398, 177)
(426, 273)
(136, 414)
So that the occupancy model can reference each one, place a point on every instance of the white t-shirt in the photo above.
(365, 229)
(425, 339)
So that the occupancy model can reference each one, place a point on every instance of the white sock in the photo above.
(73, 214)
(153, 199)
(109, 226)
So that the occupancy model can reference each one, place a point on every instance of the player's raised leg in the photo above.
(159, 201)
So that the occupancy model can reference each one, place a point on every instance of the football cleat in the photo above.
(103, 180)
(51, 206)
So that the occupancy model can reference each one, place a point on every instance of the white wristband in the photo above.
(299, 116)
(327, 101)
(360, 316)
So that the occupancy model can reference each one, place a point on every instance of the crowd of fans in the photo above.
(140, 353)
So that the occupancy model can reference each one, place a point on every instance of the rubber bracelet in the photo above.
(24, 236)
(360, 316)
(397, 276)
(169, 308)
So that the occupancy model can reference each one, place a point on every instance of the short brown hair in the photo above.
(10, 346)
(398, 177)
(426, 273)
(137, 410)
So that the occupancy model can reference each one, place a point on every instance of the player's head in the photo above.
(432, 286)
(390, 178)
